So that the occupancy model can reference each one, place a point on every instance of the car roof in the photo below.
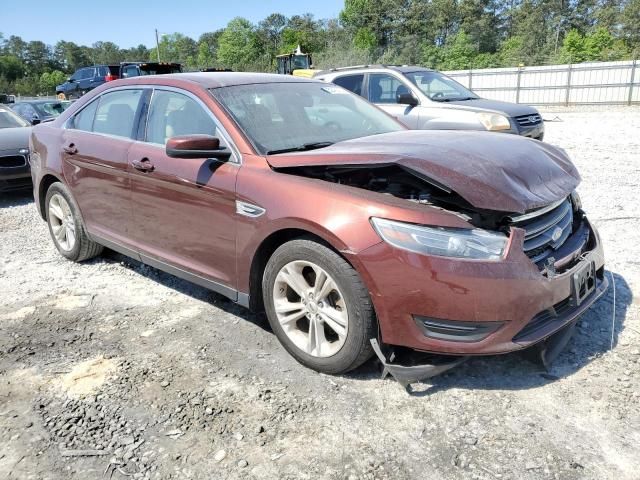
(214, 79)
(360, 68)
(51, 100)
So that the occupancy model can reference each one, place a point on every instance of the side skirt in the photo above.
(238, 297)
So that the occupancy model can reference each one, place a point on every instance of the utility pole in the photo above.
(157, 46)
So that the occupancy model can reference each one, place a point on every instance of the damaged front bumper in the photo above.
(462, 308)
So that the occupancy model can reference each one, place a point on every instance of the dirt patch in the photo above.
(88, 376)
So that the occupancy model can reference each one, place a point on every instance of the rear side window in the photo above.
(352, 83)
(113, 113)
(116, 113)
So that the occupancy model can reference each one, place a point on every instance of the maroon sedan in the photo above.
(303, 200)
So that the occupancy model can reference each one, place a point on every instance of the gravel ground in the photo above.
(111, 369)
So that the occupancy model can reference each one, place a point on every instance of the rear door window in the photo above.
(114, 113)
(352, 83)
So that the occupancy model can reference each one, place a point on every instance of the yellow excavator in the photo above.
(297, 64)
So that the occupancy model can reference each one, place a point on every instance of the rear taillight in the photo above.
(110, 77)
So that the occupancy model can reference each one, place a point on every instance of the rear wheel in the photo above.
(66, 226)
(318, 307)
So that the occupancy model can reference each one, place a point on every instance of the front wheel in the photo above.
(318, 307)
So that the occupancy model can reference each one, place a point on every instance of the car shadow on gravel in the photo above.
(17, 198)
(514, 371)
(187, 288)
(592, 338)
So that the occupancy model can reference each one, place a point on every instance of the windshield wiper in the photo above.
(301, 148)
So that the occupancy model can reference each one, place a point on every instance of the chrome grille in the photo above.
(13, 161)
(529, 120)
(545, 229)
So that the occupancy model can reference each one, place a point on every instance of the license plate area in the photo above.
(583, 283)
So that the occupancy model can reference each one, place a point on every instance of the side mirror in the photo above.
(407, 98)
(70, 80)
(35, 120)
(196, 146)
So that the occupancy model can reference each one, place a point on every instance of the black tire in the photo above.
(362, 322)
(84, 248)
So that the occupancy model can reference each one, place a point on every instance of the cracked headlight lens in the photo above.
(444, 242)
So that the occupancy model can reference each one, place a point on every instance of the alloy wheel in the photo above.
(62, 223)
(311, 308)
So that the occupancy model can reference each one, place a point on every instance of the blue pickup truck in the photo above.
(88, 78)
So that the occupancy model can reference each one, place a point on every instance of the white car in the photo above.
(428, 100)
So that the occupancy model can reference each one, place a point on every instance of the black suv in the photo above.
(86, 79)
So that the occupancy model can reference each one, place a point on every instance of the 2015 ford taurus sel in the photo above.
(302, 199)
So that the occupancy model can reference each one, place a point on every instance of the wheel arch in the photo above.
(264, 252)
(46, 182)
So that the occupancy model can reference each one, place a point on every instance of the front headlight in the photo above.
(494, 121)
(444, 242)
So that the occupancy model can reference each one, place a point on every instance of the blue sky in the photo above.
(129, 23)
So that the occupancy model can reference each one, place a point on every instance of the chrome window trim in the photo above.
(236, 157)
(68, 121)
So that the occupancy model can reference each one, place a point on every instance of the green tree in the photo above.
(238, 47)
(70, 57)
(106, 53)
(631, 25)
(49, 81)
(380, 17)
(11, 67)
(459, 52)
(207, 49)
(302, 30)
(270, 33)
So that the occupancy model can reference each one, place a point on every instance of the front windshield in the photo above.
(9, 119)
(439, 87)
(50, 109)
(280, 117)
(300, 62)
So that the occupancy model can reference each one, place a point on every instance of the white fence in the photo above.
(606, 83)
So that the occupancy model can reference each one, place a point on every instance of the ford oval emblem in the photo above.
(557, 233)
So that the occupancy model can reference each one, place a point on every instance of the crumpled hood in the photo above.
(492, 171)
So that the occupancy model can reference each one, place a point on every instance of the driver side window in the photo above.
(385, 88)
(172, 114)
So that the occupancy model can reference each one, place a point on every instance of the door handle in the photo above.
(143, 165)
(70, 149)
